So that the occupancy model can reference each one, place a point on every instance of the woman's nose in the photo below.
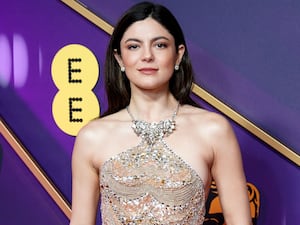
(147, 55)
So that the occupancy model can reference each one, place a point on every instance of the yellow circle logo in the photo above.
(75, 66)
(75, 72)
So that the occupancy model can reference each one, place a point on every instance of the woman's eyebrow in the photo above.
(133, 39)
(152, 40)
(160, 37)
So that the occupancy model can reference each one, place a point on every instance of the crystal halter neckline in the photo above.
(154, 131)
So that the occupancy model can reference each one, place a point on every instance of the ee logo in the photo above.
(75, 72)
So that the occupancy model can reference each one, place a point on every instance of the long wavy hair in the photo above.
(117, 84)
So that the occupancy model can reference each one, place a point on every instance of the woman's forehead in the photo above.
(146, 29)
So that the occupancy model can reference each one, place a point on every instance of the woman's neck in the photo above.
(152, 109)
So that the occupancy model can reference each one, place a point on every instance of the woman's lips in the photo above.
(148, 70)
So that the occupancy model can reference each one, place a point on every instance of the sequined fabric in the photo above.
(150, 184)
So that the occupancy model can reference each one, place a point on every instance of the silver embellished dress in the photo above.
(150, 184)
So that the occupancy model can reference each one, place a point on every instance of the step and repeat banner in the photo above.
(245, 53)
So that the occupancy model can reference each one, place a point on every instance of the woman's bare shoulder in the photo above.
(212, 122)
(100, 129)
(200, 114)
(96, 141)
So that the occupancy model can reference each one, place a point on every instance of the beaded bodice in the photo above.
(150, 184)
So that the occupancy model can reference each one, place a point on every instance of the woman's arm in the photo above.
(85, 180)
(227, 171)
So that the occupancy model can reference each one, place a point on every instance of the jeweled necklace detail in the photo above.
(152, 132)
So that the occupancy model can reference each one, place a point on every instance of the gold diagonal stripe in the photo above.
(34, 168)
(85, 12)
(242, 121)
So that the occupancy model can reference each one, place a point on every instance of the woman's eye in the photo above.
(161, 45)
(132, 47)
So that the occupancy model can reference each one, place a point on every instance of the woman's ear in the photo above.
(180, 53)
(118, 58)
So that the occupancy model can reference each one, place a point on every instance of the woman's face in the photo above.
(149, 55)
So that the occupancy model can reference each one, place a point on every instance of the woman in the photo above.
(153, 155)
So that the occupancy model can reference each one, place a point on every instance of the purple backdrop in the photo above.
(245, 53)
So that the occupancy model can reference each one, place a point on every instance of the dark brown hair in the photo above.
(116, 83)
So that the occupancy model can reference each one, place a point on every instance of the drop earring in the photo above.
(176, 67)
(122, 69)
